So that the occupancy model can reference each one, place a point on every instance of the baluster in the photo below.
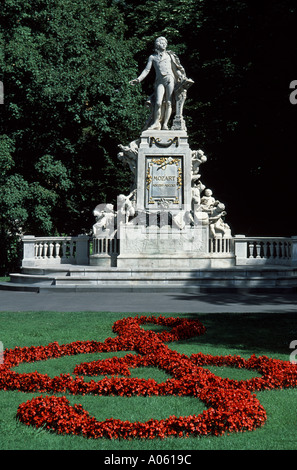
(71, 249)
(51, 250)
(251, 249)
(265, 250)
(227, 245)
(45, 250)
(289, 250)
(74, 248)
(286, 250)
(63, 249)
(39, 250)
(258, 250)
(57, 250)
(210, 245)
(281, 250)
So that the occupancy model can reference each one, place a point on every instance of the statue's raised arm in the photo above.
(170, 87)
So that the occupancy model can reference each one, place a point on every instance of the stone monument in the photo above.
(169, 218)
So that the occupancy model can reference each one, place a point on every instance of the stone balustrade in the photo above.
(41, 251)
(265, 250)
(221, 246)
(109, 246)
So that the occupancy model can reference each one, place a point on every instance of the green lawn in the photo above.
(243, 334)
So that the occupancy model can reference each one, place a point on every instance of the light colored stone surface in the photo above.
(149, 246)
(170, 88)
(164, 147)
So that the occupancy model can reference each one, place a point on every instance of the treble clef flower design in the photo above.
(232, 406)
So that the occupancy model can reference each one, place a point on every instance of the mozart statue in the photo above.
(170, 87)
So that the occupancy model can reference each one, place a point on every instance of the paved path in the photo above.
(147, 302)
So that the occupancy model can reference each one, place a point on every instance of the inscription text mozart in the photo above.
(164, 178)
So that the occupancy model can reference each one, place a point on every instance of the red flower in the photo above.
(231, 406)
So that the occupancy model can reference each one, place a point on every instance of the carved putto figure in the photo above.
(126, 207)
(129, 155)
(208, 202)
(217, 226)
(105, 220)
(198, 157)
(171, 86)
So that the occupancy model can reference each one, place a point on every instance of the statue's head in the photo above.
(161, 43)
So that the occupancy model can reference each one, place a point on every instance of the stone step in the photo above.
(81, 278)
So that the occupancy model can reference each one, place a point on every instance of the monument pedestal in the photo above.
(164, 171)
(160, 247)
(163, 223)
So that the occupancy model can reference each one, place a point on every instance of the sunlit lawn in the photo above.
(243, 334)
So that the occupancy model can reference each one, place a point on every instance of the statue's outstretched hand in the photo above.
(134, 81)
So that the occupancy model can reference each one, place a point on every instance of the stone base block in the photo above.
(175, 263)
(141, 241)
(104, 261)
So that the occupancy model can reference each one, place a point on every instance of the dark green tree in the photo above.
(65, 66)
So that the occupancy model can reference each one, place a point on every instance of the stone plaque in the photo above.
(164, 182)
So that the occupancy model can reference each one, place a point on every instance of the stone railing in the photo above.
(105, 246)
(265, 250)
(47, 251)
(221, 246)
(105, 252)
(41, 251)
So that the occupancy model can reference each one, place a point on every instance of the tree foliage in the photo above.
(66, 65)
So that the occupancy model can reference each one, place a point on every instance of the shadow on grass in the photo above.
(258, 333)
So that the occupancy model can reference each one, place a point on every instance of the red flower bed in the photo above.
(231, 405)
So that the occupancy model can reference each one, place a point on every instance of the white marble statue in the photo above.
(208, 202)
(126, 207)
(105, 221)
(217, 226)
(198, 157)
(171, 84)
(128, 155)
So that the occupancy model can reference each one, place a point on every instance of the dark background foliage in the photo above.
(66, 65)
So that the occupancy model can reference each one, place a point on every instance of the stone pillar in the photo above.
(294, 251)
(28, 250)
(82, 250)
(240, 250)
